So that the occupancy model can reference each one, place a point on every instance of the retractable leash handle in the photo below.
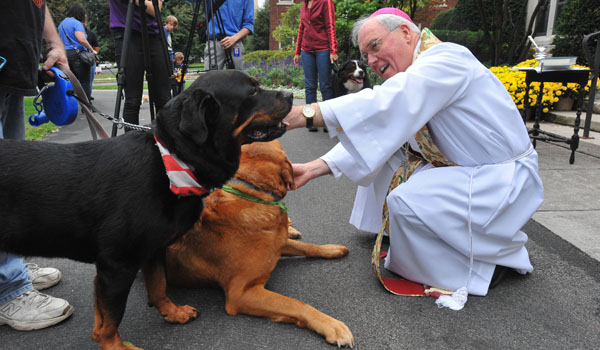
(58, 106)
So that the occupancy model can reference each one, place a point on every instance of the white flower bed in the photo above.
(298, 93)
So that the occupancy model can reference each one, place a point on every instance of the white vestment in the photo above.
(441, 217)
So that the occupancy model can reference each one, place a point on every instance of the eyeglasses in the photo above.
(2, 62)
(373, 47)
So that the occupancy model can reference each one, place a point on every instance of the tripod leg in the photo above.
(123, 64)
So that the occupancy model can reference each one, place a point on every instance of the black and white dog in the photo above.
(351, 77)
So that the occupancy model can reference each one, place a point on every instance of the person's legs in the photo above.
(81, 71)
(324, 71)
(309, 64)
(237, 53)
(21, 306)
(323, 62)
(134, 74)
(217, 56)
(14, 280)
(161, 88)
(12, 116)
(310, 76)
(92, 76)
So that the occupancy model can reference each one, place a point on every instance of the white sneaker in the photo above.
(43, 277)
(34, 310)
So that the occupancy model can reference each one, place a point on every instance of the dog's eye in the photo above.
(254, 91)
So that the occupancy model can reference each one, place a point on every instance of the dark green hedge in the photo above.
(577, 18)
(474, 41)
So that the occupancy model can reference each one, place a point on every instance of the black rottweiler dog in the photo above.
(109, 202)
(351, 77)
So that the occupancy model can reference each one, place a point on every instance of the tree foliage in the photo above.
(346, 13)
(577, 18)
(287, 30)
(503, 23)
(260, 38)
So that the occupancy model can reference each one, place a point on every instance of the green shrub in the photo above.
(267, 56)
(274, 68)
(443, 20)
(474, 41)
(577, 18)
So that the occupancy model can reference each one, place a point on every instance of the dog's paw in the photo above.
(333, 250)
(338, 333)
(293, 233)
(181, 314)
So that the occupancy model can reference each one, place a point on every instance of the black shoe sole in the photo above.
(498, 276)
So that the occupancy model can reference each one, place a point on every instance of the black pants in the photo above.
(82, 71)
(160, 89)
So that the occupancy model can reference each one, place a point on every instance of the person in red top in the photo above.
(317, 46)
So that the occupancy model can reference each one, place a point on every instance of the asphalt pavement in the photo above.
(555, 307)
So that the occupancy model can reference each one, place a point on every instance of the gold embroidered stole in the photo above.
(429, 153)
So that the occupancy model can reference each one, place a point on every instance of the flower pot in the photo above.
(565, 103)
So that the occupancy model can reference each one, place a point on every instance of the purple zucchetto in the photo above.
(391, 11)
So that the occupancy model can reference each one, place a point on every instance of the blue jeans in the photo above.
(14, 279)
(12, 116)
(92, 76)
(317, 67)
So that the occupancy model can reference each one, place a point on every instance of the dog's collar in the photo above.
(277, 200)
(182, 180)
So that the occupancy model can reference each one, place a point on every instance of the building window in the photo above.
(541, 21)
(559, 6)
(285, 2)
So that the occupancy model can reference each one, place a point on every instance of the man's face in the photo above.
(387, 53)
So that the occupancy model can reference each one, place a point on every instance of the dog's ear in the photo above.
(287, 174)
(198, 108)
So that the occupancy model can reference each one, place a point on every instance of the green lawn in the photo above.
(35, 133)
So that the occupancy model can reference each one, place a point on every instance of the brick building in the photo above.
(277, 8)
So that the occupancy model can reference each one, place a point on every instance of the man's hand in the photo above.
(56, 56)
(228, 42)
(296, 59)
(305, 172)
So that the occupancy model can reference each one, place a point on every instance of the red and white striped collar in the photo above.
(182, 180)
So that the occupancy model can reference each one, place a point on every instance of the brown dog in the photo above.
(237, 243)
